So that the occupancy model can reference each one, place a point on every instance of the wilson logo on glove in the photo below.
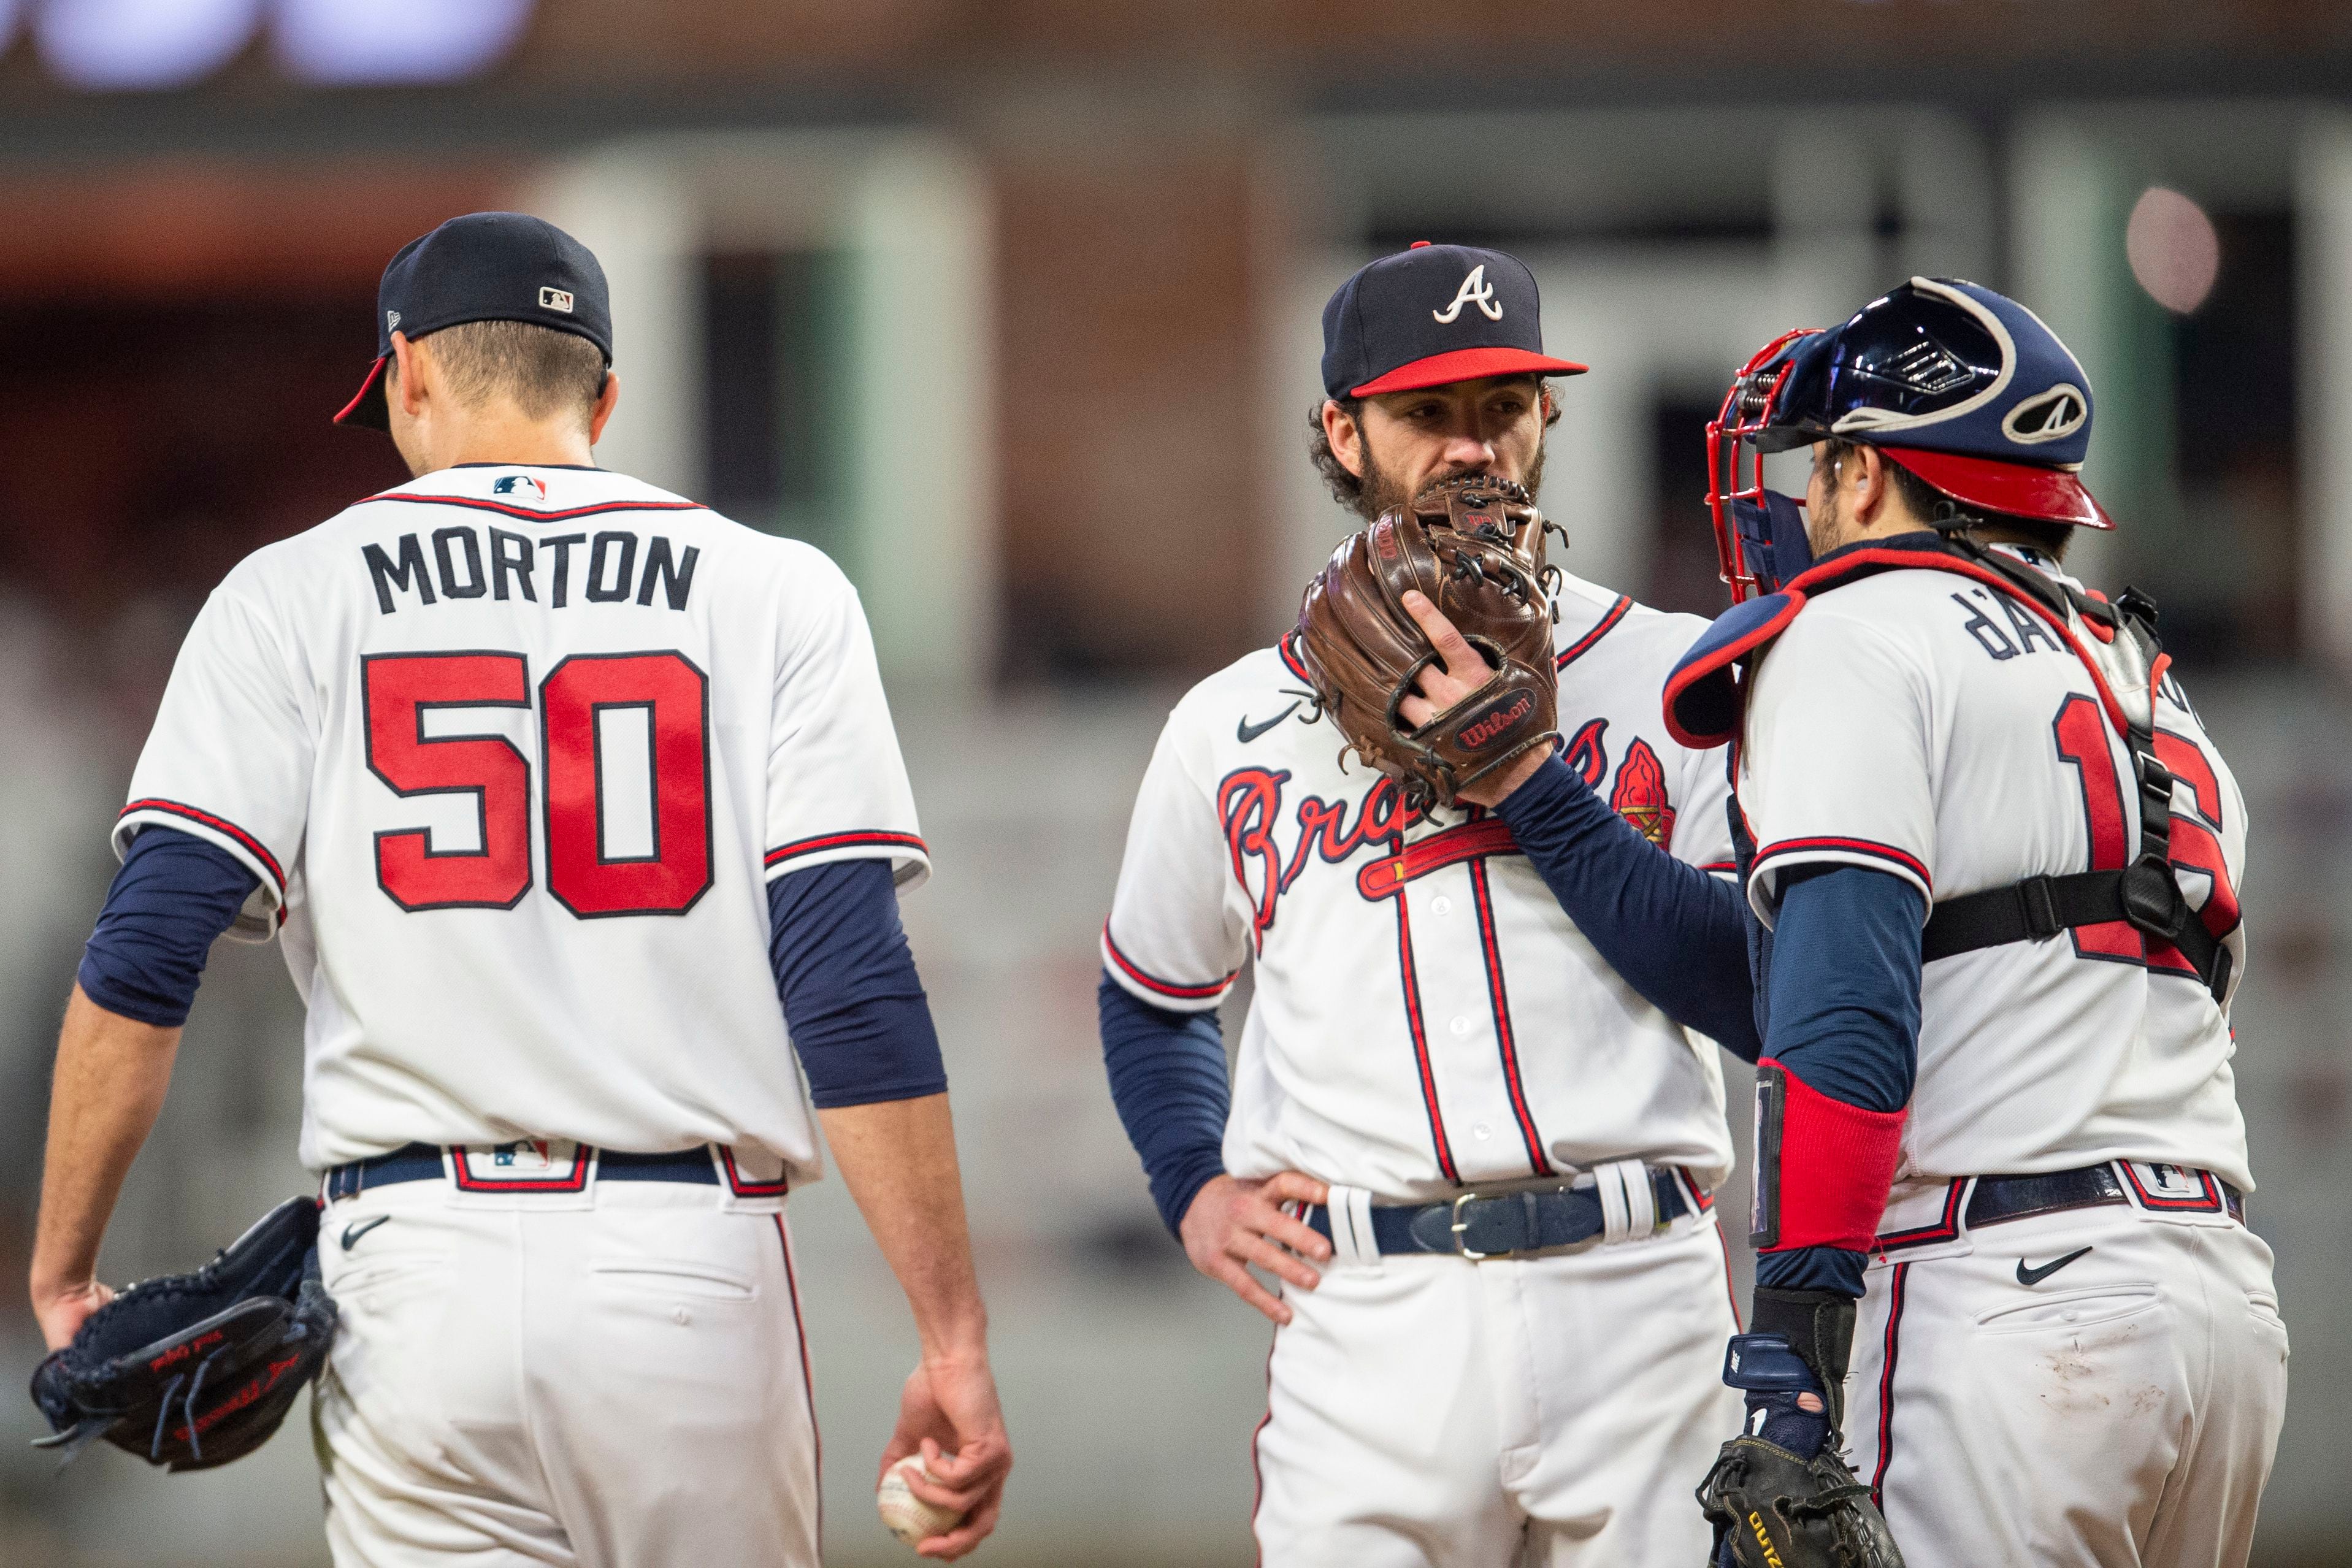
(1474, 546)
(1482, 733)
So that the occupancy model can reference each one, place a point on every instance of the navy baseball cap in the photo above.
(484, 267)
(1431, 315)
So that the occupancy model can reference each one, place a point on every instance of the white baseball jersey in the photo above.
(513, 751)
(1924, 725)
(1424, 1015)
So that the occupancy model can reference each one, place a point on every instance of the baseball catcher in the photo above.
(1474, 547)
(193, 1371)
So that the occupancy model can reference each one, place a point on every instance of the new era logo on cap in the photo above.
(555, 299)
(1431, 315)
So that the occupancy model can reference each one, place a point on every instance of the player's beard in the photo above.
(1382, 491)
(1825, 525)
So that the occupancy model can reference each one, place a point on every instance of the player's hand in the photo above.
(62, 1312)
(1461, 669)
(948, 1413)
(1234, 1223)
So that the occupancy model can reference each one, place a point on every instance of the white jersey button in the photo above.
(1441, 905)
(1459, 1026)
(1484, 1132)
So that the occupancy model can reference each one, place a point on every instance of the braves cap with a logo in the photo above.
(1966, 388)
(1431, 315)
(484, 267)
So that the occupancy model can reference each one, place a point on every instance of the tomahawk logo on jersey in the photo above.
(1928, 725)
(1424, 1015)
(495, 743)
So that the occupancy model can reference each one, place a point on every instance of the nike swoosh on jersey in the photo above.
(2026, 1276)
(1246, 732)
(352, 1232)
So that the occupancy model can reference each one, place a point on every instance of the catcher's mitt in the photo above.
(1475, 545)
(1773, 1509)
(191, 1371)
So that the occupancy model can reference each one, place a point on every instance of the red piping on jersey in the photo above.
(846, 840)
(1448, 846)
(1501, 999)
(1855, 846)
(1887, 1378)
(808, 1375)
(1153, 983)
(1290, 657)
(529, 515)
(1420, 1043)
(1583, 644)
(219, 825)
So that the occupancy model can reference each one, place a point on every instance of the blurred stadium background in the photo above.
(1012, 308)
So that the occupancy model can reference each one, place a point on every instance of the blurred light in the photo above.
(8, 11)
(2174, 252)
(142, 43)
(352, 42)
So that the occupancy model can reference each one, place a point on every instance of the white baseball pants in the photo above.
(612, 1380)
(2121, 1409)
(1548, 1410)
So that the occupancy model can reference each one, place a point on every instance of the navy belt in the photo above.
(1999, 1197)
(423, 1162)
(1480, 1225)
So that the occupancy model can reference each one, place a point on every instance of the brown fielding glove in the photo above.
(1475, 545)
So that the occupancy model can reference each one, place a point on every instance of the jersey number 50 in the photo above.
(660, 874)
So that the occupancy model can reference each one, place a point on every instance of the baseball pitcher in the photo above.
(1473, 1157)
(551, 785)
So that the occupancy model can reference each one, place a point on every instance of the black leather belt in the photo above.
(1999, 1197)
(423, 1162)
(1480, 1225)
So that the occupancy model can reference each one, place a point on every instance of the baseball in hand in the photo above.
(910, 1519)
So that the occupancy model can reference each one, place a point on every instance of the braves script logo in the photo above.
(1640, 796)
(1474, 290)
(1249, 803)
(1501, 721)
(1267, 847)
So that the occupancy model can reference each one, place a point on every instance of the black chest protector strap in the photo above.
(2144, 893)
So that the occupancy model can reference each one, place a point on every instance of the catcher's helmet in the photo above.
(1964, 387)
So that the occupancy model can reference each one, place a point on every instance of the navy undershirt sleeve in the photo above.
(1844, 1017)
(1677, 935)
(173, 896)
(852, 999)
(1168, 1078)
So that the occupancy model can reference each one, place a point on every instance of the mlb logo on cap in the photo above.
(556, 299)
(1431, 315)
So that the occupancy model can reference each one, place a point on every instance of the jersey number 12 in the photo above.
(661, 704)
